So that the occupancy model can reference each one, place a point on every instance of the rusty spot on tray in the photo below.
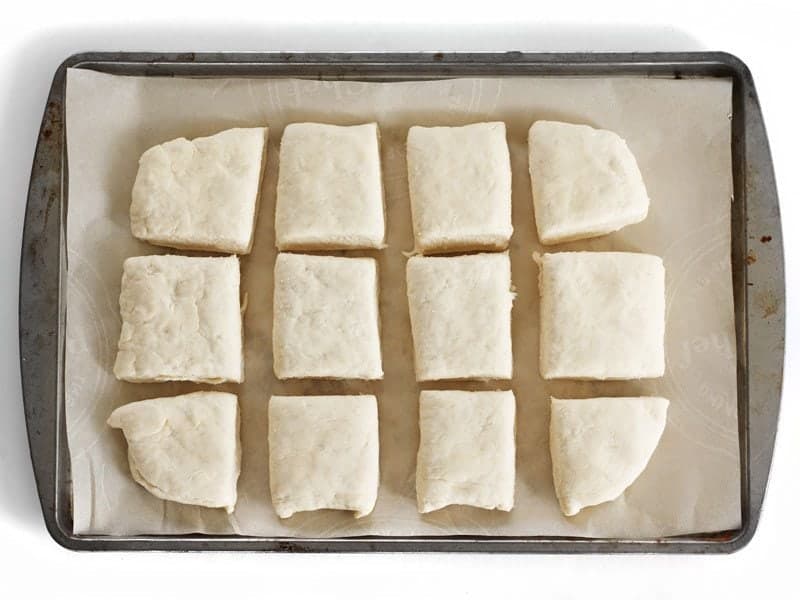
(767, 301)
(47, 133)
(766, 238)
(439, 56)
(750, 258)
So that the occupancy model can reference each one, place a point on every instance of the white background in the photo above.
(36, 36)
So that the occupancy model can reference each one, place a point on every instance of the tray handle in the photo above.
(761, 254)
(40, 315)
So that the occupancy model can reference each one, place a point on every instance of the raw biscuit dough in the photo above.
(585, 182)
(466, 450)
(602, 315)
(459, 181)
(460, 309)
(184, 448)
(201, 194)
(181, 320)
(325, 318)
(599, 446)
(323, 453)
(330, 193)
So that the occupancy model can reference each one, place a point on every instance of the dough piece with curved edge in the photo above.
(602, 315)
(323, 453)
(600, 446)
(330, 192)
(325, 318)
(184, 448)
(459, 181)
(181, 320)
(201, 194)
(586, 182)
(460, 309)
(466, 450)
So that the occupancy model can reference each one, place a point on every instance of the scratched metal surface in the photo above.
(756, 253)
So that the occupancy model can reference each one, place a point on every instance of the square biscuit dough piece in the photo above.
(201, 194)
(466, 450)
(325, 318)
(586, 182)
(181, 320)
(459, 181)
(460, 309)
(184, 448)
(323, 453)
(330, 192)
(602, 315)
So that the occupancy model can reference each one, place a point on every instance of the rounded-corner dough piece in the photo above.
(460, 308)
(459, 181)
(602, 315)
(201, 194)
(323, 453)
(466, 450)
(184, 448)
(600, 446)
(181, 320)
(325, 318)
(330, 191)
(586, 182)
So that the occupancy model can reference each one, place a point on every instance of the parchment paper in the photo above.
(679, 131)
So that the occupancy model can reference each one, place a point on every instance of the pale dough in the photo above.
(330, 193)
(460, 309)
(466, 450)
(459, 181)
(323, 453)
(184, 448)
(181, 320)
(602, 315)
(201, 194)
(325, 318)
(585, 182)
(599, 446)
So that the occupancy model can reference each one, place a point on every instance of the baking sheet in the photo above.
(678, 129)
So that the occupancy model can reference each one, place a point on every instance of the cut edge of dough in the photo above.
(312, 245)
(429, 507)
(358, 513)
(257, 207)
(493, 243)
(598, 230)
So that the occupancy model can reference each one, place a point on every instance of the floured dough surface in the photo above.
(201, 194)
(460, 309)
(459, 181)
(466, 450)
(602, 315)
(323, 453)
(325, 318)
(184, 448)
(330, 194)
(599, 446)
(181, 320)
(586, 182)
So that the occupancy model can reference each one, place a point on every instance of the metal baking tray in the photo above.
(756, 252)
